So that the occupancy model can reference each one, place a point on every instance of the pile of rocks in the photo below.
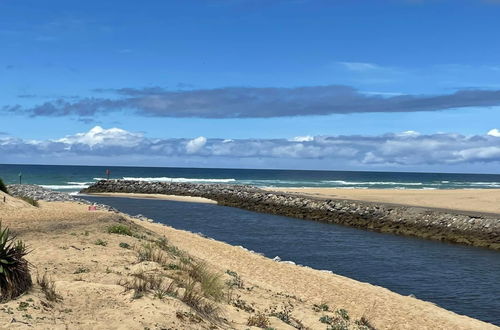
(40, 193)
(405, 220)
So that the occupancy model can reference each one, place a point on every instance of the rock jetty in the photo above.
(449, 226)
(40, 193)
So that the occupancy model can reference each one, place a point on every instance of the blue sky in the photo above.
(251, 70)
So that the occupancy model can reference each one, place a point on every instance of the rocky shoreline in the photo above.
(449, 226)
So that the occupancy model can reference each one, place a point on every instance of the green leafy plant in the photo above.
(15, 277)
(343, 314)
(124, 245)
(100, 242)
(3, 187)
(326, 319)
(120, 229)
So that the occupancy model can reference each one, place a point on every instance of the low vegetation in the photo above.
(29, 200)
(259, 320)
(181, 277)
(100, 242)
(156, 269)
(48, 287)
(342, 321)
(321, 307)
(3, 187)
(120, 230)
(124, 245)
(15, 277)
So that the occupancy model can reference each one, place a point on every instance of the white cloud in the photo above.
(494, 132)
(109, 137)
(409, 133)
(196, 144)
(401, 149)
(306, 138)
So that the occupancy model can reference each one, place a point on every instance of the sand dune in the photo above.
(63, 237)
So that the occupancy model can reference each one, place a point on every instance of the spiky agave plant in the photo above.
(15, 277)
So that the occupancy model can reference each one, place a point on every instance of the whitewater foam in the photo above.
(167, 179)
(64, 187)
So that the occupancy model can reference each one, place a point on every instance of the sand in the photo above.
(187, 199)
(62, 236)
(478, 200)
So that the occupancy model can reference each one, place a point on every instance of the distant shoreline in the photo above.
(175, 198)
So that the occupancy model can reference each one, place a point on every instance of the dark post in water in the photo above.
(20, 177)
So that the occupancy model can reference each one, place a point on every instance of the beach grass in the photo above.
(30, 200)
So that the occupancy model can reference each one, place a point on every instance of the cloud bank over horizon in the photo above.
(253, 102)
(394, 149)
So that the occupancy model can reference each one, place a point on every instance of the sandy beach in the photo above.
(66, 240)
(472, 200)
(187, 199)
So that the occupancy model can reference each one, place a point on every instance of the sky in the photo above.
(396, 85)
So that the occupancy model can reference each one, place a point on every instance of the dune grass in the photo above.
(30, 200)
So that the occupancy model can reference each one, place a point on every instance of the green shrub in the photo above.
(100, 242)
(343, 314)
(3, 187)
(120, 229)
(326, 319)
(124, 245)
(15, 277)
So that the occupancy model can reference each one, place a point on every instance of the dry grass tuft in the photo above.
(199, 303)
(48, 287)
(259, 320)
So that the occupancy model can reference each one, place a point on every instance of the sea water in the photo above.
(75, 178)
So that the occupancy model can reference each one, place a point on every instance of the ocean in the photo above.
(74, 178)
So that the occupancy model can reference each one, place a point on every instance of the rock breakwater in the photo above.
(450, 226)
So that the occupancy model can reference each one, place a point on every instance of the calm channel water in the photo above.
(462, 279)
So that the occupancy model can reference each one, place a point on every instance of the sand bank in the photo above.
(187, 199)
(63, 237)
(478, 200)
